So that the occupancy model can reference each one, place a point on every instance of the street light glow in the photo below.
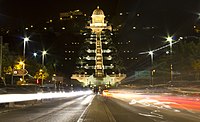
(169, 39)
(44, 52)
(150, 52)
(21, 63)
(26, 39)
(34, 54)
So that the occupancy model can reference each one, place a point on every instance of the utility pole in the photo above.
(1, 54)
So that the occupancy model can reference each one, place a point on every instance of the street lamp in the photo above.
(43, 54)
(26, 39)
(151, 54)
(170, 39)
(152, 71)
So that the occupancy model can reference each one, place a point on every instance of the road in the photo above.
(118, 106)
(63, 110)
(122, 111)
(146, 107)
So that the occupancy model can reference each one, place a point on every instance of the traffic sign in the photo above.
(20, 72)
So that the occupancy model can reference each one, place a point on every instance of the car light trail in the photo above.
(167, 102)
(6, 98)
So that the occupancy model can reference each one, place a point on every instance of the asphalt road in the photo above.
(63, 110)
(144, 108)
(124, 112)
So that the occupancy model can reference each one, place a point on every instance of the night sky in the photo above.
(173, 16)
(36, 10)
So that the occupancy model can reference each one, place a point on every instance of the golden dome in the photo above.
(98, 11)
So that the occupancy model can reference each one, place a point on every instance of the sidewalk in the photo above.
(98, 111)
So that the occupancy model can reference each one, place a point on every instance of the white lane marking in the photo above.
(81, 118)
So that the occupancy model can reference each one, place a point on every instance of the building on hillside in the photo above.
(98, 63)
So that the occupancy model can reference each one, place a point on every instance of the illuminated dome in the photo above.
(98, 11)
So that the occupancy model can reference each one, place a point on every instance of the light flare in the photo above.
(6, 98)
(164, 101)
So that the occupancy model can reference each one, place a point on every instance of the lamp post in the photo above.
(43, 55)
(152, 71)
(169, 39)
(26, 39)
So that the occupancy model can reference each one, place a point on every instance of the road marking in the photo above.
(82, 117)
(109, 114)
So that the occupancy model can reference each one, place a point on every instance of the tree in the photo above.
(8, 59)
(196, 67)
(41, 74)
